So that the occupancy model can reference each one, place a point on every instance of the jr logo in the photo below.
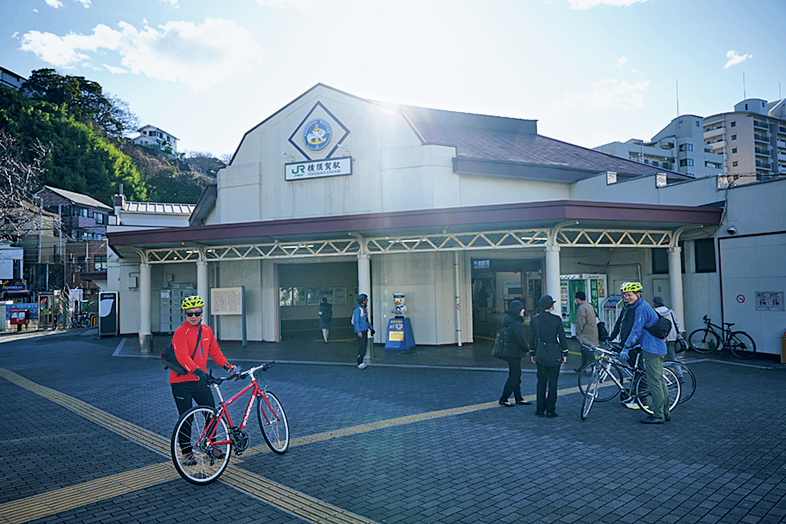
(299, 170)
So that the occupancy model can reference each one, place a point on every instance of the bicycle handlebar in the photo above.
(211, 380)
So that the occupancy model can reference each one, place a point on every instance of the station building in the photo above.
(334, 195)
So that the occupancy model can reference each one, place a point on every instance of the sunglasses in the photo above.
(196, 314)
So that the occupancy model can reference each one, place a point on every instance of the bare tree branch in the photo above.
(19, 179)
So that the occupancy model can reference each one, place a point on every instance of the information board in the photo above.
(226, 301)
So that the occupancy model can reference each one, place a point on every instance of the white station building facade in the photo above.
(334, 195)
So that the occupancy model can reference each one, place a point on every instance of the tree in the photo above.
(19, 179)
(83, 99)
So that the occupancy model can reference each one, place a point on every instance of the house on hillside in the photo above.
(155, 137)
(10, 79)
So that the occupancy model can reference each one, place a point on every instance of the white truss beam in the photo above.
(475, 241)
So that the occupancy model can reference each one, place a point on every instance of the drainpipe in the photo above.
(458, 296)
(675, 274)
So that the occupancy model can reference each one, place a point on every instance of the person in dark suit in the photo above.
(549, 350)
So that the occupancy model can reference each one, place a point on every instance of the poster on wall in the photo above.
(326, 292)
(312, 298)
(284, 296)
(769, 301)
(339, 295)
(298, 296)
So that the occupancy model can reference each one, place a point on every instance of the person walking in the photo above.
(362, 327)
(586, 328)
(549, 350)
(325, 317)
(671, 338)
(194, 343)
(653, 349)
(514, 348)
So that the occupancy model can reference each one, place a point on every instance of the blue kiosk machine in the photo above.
(400, 337)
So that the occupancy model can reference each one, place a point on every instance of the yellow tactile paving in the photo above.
(277, 495)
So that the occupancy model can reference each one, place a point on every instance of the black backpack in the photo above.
(170, 360)
(661, 328)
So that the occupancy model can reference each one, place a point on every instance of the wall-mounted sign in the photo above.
(769, 301)
(318, 168)
(316, 134)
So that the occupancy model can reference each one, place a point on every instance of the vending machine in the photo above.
(593, 285)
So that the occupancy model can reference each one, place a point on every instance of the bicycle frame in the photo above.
(724, 335)
(223, 411)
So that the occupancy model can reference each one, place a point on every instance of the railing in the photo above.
(761, 138)
(761, 125)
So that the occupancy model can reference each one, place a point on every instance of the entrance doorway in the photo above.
(301, 288)
(496, 283)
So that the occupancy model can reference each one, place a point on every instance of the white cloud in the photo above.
(173, 2)
(622, 63)
(735, 59)
(115, 70)
(606, 95)
(304, 6)
(54, 3)
(200, 56)
(589, 4)
(85, 3)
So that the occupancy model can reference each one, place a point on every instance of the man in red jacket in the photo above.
(194, 342)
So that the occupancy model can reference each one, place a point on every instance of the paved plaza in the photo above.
(417, 437)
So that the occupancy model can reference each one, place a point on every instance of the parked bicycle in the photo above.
(204, 438)
(606, 369)
(608, 389)
(708, 339)
(81, 320)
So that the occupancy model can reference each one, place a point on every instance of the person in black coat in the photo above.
(514, 348)
(325, 318)
(549, 352)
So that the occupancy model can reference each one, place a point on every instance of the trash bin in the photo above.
(783, 347)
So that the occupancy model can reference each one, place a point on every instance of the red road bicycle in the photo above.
(204, 438)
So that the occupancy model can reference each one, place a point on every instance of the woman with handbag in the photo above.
(549, 352)
(514, 348)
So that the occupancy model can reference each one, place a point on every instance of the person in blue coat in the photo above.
(653, 350)
(362, 326)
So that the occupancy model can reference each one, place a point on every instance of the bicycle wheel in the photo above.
(686, 378)
(704, 341)
(607, 388)
(589, 398)
(273, 422)
(644, 398)
(196, 456)
(84, 322)
(742, 345)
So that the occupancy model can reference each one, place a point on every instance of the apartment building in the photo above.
(752, 140)
(677, 147)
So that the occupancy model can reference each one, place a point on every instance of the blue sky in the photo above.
(590, 71)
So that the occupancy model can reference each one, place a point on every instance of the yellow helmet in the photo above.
(191, 302)
(631, 287)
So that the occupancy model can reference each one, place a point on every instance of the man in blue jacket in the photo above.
(362, 327)
(653, 350)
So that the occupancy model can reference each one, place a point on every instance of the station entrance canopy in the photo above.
(509, 226)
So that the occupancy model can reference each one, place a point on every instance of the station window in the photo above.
(660, 260)
(734, 123)
(734, 164)
(734, 150)
(704, 255)
(734, 137)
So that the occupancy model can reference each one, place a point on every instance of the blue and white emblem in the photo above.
(316, 134)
